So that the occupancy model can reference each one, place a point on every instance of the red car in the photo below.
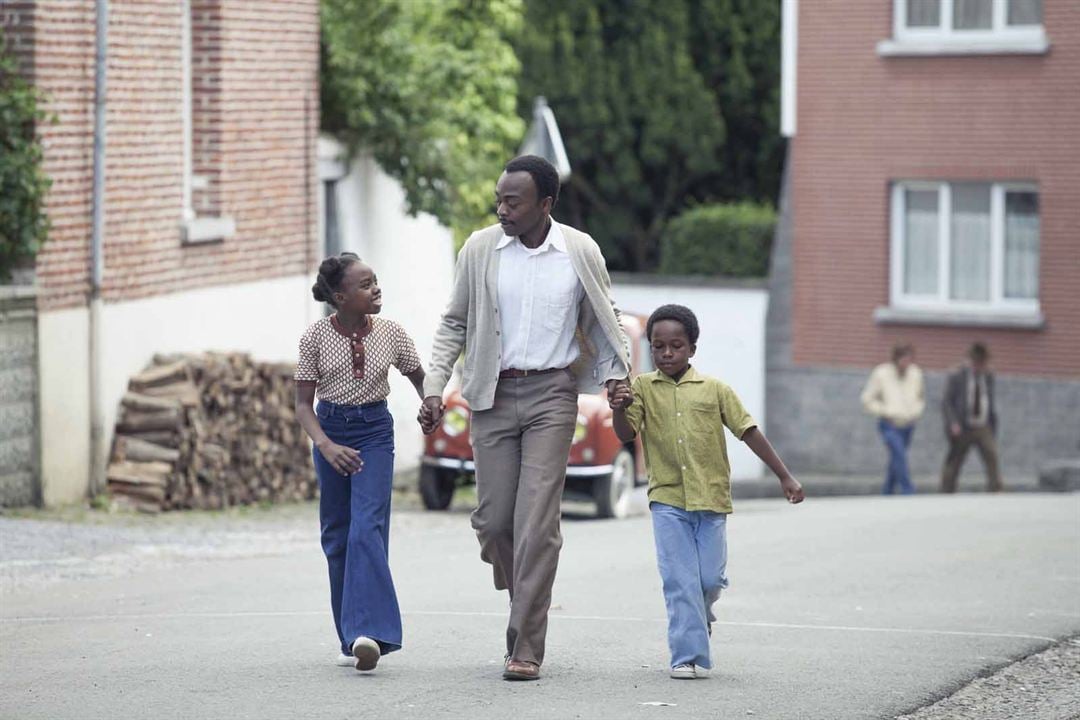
(600, 468)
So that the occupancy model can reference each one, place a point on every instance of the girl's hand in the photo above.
(344, 459)
(792, 490)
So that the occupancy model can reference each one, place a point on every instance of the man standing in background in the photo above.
(971, 419)
(895, 395)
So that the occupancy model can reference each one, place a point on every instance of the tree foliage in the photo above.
(662, 106)
(729, 240)
(429, 88)
(23, 184)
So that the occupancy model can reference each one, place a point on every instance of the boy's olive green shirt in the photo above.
(682, 432)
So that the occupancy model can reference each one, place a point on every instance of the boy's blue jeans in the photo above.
(691, 552)
(354, 513)
(897, 440)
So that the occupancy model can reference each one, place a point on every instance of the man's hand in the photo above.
(430, 415)
(955, 429)
(792, 490)
(344, 459)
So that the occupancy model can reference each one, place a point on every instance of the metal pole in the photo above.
(97, 260)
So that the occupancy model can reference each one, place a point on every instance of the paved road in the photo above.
(839, 608)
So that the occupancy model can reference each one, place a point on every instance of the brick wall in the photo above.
(865, 120)
(256, 96)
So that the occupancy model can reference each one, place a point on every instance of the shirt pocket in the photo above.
(558, 311)
(703, 418)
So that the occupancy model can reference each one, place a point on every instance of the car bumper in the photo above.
(468, 466)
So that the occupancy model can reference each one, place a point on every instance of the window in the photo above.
(928, 27)
(965, 247)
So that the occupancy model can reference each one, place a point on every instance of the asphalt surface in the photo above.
(839, 608)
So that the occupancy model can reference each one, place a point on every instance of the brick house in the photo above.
(210, 198)
(932, 195)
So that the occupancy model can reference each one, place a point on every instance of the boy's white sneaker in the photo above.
(683, 672)
(366, 652)
(344, 660)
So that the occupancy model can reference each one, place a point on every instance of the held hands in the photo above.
(792, 490)
(620, 396)
(430, 415)
(344, 459)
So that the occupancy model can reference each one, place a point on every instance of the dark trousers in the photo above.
(983, 439)
(521, 446)
(354, 512)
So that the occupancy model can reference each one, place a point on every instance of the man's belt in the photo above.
(515, 373)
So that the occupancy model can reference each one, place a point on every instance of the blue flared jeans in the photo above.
(354, 513)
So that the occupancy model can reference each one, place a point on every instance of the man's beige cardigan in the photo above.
(471, 321)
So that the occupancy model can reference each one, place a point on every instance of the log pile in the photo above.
(209, 432)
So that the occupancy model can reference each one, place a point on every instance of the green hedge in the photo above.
(23, 184)
(726, 240)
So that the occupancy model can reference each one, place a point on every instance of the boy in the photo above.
(680, 414)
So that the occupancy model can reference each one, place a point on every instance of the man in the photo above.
(531, 305)
(971, 418)
(894, 394)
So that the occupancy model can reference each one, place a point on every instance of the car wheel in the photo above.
(613, 492)
(437, 486)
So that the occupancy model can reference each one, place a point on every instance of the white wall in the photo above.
(413, 258)
(64, 383)
(732, 342)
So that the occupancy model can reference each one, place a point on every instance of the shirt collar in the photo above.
(555, 239)
(691, 375)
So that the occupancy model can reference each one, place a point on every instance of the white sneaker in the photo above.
(344, 660)
(700, 672)
(684, 672)
(366, 652)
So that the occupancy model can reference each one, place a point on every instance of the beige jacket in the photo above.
(471, 321)
(900, 400)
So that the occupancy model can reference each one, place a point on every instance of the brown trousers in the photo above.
(521, 446)
(983, 438)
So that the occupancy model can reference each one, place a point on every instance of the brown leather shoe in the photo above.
(521, 670)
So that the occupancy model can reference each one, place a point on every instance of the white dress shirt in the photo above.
(538, 293)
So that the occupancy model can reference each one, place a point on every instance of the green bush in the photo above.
(726, 240)
(23, 184)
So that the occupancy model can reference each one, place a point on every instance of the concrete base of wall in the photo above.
(817, 426)
(18, 398)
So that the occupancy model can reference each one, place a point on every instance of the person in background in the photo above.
(970, 411)
(895, 395)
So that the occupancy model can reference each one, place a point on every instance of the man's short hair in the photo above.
(902, 349)
(978, 353)
(543, 173)
(680, 314)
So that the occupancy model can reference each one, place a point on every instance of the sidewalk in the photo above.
(840, 485)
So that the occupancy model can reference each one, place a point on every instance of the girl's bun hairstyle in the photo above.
(331, 272)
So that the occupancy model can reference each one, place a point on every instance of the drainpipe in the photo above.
(97, 263)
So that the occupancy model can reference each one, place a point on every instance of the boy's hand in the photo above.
(792, 490)
(621, 398)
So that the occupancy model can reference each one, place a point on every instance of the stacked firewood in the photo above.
(209, 432)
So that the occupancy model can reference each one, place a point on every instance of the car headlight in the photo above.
(581, 429)
(455, 421)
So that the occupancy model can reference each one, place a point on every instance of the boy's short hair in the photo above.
(979, 353)
(680, 314)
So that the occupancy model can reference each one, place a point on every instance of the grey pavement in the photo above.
(864, 607)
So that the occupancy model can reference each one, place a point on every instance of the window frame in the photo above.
(944, 39)
(941, 302)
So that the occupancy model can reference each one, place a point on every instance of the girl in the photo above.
(344, 359)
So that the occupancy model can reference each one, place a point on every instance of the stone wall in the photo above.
(19, 483)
